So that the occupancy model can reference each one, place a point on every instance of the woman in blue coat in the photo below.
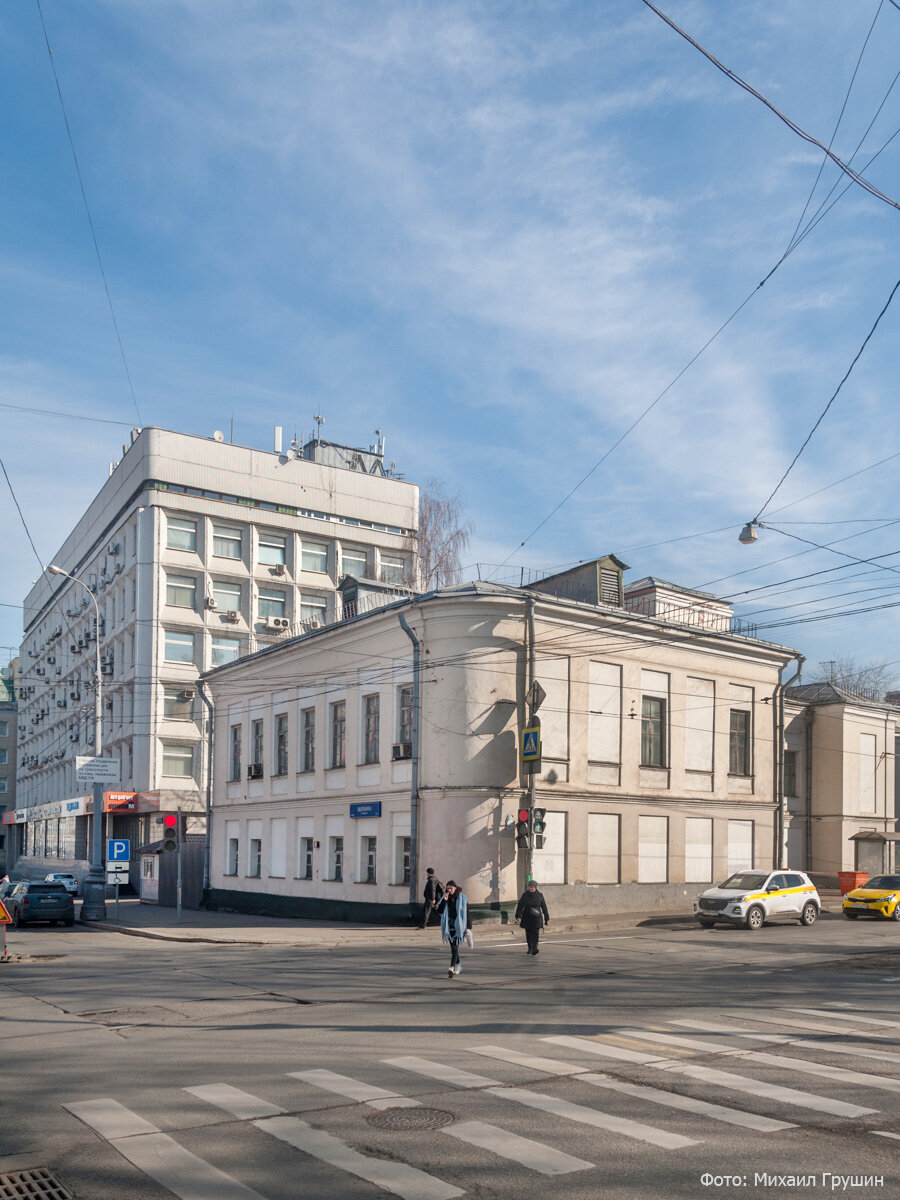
(455, 922)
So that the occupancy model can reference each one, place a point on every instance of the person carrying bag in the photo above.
(532, 915)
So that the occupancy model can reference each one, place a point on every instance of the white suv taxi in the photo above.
(751, 898)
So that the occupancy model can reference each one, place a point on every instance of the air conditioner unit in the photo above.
(233, 616)
(211, 603)
(61, 704)
(73, 736)
(74, 695)
(278, 623)
(278, 569)
(401, 750)
(51, 658)
(114, 548)
(254, 771)
(119, 568)
(39, 671)
(186, 695)
(74, 648)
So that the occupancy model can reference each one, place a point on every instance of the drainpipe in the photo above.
(201, 686)
(778, 718)
(414, 785)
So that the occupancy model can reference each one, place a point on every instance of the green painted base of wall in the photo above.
(261, 904)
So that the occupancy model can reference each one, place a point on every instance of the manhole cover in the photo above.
(37, 1184)
(402, 1119)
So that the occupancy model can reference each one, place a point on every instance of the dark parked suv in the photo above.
(33, 901)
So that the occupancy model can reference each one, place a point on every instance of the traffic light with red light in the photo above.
(523, 828)
(170, 832)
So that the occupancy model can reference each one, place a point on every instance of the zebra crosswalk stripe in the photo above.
(852, 1017)
(352, 1089)
(240, 1104)
(604, 1049)
(157, 1154)
(802, 1043)
(440, 1072)
(850, 1026)
(528, 1153)
(769, 1091)
(547, 1066)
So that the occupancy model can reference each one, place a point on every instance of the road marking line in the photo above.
(402, 1180)
(768, 1091)
(709, 1027)
(765, 1017)
(240, 1104)
(604, 1050)
(444, 1074)
(517, 945)
(717, 1112)
(343, 1085)
(594, 1117)
(548, 1066)
(158, 1155)
(843, 1016)
(884, 1133)
(528, 1153)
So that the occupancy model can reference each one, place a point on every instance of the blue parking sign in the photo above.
(118, 850)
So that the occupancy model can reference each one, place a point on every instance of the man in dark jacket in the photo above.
(531, 912)
(434, 889)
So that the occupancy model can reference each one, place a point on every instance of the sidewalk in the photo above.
(198, 925)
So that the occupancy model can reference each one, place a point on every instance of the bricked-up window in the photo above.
(405, 714)
(371, 713)
(790, 772)
(256, 737)
(338, 733)
(281, 744)
(739, 743)
(309, 739)
(653, 732)
(235, 755)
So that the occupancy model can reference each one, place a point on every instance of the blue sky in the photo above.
(494, 230)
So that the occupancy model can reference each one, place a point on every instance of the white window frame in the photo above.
(177, 751)
(227, 535)
(271, 549)
(184, 637)
(178, 584)
(218, 644)
(182, 525)
(317, 551)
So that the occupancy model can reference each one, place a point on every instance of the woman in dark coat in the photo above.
(531, 913)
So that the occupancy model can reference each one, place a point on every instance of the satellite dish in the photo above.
(219, 436)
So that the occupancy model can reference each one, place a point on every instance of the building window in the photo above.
(272, 549)
(4, 757)
(178, 703)
(235, 755)
(790, 772)
(313, 609)
(336, 854)
(226, 542)
(4, 728)
(225, 650)
(177, 760)
(739, 743)
(181, 591)
(306, 858)
(227, 596)
(653, 731)
(281, 744)
(309, 739)
(338, 733)
(393, 568)
(370, 858)
(256, 739)
(314, 557)
(255, 858)
(272, 603)
(405, 714)
(179, 647)
(371, 722)
(4, 785)
(355, 563)
(231, 867)
(404, 847)
(181, 534)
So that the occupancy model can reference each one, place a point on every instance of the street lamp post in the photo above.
(93, 904)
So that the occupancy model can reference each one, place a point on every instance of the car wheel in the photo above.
(705, 923)
(17, 920)
(895, 915)
(809, 915)
(851, 916)
(756, 918)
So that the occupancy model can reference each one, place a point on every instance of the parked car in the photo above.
(40, 901)
(69, 882)
(7, 887)
(751, 898)
(878, 897)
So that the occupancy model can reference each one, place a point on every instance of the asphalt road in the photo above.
(635, 1063)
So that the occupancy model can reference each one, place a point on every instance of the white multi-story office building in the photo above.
(197, 552)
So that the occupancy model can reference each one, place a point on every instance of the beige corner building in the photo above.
(349, 759)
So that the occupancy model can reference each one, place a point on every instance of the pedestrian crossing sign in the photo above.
(531, 743)
(5, 918)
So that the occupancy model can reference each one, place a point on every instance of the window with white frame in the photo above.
(306, 858)
(227, 542)
(313, 609)
(740, 730)
(281, 744)
(4, 728)
(371, 726)
(181, 591)
(4, 757)
(227, 595)
(354, 562)
(405, 713)
(178, 703)
(177, 759)
(308, 720)
(181, 534)
(404, 852)
(179, 647)
(336, 858)
(4, 785)
(314, 556)
(303, 847)
(393, 568)
(232, 846)
(254, 838)
(369, 859)
(225, 650)
(272, 603)
(338, 711)
(272, 549)
(256, 742)
(234, 755)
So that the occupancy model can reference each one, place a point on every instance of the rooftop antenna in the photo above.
(320, 421)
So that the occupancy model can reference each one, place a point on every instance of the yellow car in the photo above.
(878, 897)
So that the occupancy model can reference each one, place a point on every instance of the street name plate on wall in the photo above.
(372, 809)
(97, 770)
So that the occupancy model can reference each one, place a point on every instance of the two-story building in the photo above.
(333, 790)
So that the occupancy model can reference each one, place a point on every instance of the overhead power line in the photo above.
(807, 137)
(49, 412)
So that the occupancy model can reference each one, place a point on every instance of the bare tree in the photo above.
(443, 538)
(871, 679)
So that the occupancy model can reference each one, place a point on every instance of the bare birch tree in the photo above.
(864, 678)
(443, 538)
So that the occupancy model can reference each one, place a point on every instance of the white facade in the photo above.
(657, 772)
(197, 551)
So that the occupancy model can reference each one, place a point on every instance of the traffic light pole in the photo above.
(178, 883)
(529, 853)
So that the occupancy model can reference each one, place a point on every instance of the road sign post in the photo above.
(96, 772)
(531, 745)
(5, 919)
